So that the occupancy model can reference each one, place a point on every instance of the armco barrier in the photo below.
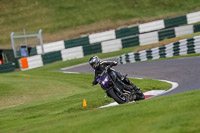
(110, 46)
(77, 42)
(92, 49)
(72, 53)
(113, 45)
(126, 32)
(164, 34)
(51, 57)
(51, 47)
(156, 36)
(182, 47)
(103, 36)
(189, 18)
(130, 42)
(32, 62)
(193, 17)
(173, 22)
(136, 40)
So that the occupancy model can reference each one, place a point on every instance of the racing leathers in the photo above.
(117, 76)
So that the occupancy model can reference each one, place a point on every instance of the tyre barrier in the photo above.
(182, 47)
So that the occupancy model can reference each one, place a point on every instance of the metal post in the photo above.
(13, 44)
(41, 41)
(25, 38)
(39, 35)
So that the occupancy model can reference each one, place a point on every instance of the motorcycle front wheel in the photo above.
(120, 99)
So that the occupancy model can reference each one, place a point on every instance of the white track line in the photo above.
(174, 86)
(71, 72)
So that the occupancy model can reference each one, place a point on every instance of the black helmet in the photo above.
(94, 61)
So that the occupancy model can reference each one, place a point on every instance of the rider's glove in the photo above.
(94, 82)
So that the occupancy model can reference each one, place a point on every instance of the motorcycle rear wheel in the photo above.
(139, 95)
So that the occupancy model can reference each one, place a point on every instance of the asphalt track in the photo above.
(184, 71)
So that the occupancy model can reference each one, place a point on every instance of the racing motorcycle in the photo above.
(115, 90)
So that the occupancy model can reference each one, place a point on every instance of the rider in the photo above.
(99, 66)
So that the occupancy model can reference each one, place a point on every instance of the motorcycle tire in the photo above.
(114, 94)
(139, 95)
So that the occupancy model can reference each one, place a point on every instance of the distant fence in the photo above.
(182, 47)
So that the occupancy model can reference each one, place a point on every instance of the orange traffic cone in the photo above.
(84, 103)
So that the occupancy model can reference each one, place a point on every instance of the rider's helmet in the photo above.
(94, 61)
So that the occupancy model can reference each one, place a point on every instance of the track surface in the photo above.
(184, 71)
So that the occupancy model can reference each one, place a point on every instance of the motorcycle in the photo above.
(115, 90)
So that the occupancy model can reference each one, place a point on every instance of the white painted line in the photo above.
(72, 72)
(174, 86)
(110, 105)
(154, 92)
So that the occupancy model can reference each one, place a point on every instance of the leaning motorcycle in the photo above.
(116, 91)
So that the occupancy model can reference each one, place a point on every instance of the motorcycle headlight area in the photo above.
(105, 80)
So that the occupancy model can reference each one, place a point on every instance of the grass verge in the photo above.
(176, 113)
(65, 19)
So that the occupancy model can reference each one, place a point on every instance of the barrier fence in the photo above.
(182, 47)
(56, 51)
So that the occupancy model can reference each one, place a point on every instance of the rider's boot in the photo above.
(127, 81)
(128, 87)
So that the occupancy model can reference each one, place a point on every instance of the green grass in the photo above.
(66, 19)
(177, 113)
(46, 100)
(30, 98)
